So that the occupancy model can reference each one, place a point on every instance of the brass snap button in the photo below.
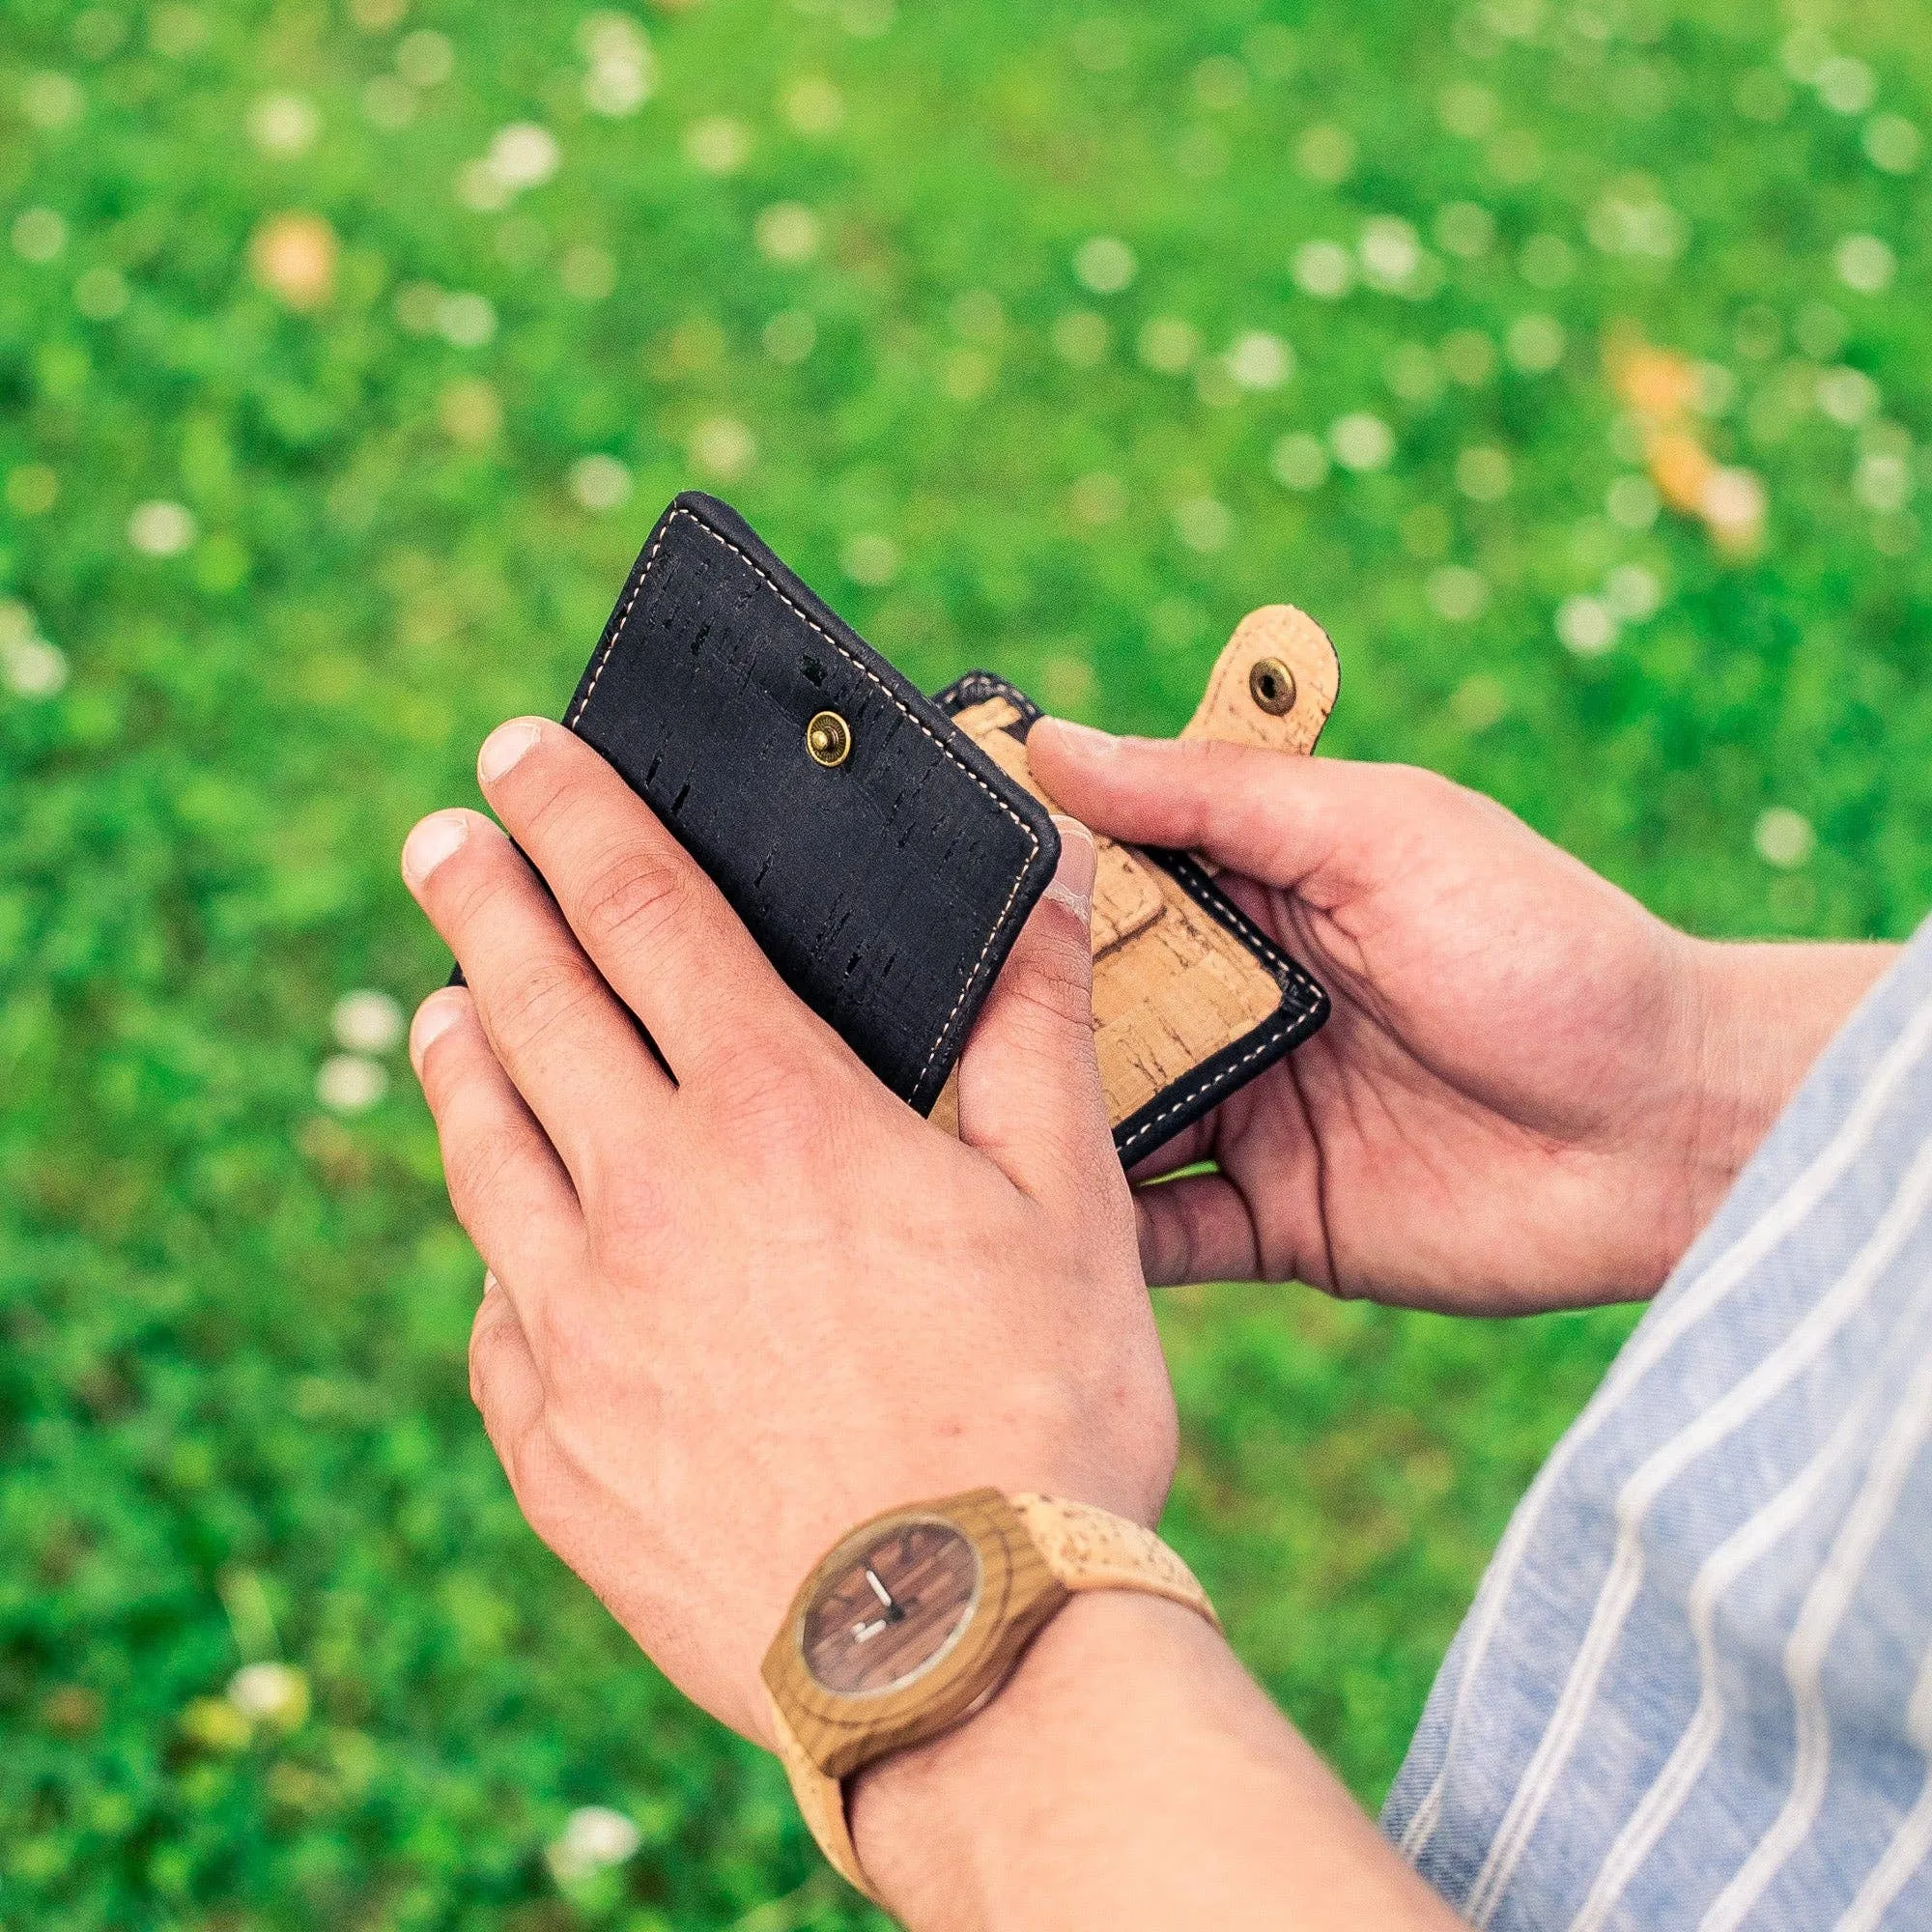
(1271, 685)
(828, 739)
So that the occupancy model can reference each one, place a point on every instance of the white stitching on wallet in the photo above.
(1226, 910)
(872, 676)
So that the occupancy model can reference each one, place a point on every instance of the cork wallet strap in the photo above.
(1190, 1001)
(883, 862)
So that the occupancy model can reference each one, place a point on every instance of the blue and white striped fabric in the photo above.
(1695, 1689)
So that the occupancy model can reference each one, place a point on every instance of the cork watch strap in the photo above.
(1084, 1548)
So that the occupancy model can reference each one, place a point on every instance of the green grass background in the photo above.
(233, 1417)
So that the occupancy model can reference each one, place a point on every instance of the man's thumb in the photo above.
(1029, 1084)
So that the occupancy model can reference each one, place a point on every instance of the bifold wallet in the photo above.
(884, 848)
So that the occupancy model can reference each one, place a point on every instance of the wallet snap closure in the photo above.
(828, 739)
(1271, 685)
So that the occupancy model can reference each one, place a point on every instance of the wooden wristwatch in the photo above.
(913, 1621)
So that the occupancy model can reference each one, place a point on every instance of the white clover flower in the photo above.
(1733, 503)
(39, 234)
(1633, 219)
(270, 1693)
(594, 1838)
(1105, 264)
(1865, 265)
(1482, 474)
(1361, 441)
(722, 447)
(600, 482)
(1298, 461)
(1535, 344)
(1881, 481)
(284, 124)
(425, 58)
(621, 75)
(1847, 395)
(870, 559)
(1323, 270)
(1203, 523)
(161, 528)
(346, 1083)
(1586, 625)
(1892, 144)
(50, 100)
(1465, 228)
(1169, 345)
(1846, 86)
(1783, 838)
(1457, 594)
(1259, 360)
(815, 106)
(1081, 337)
(1632, 593)
(1391, 253)
(480, 190)
(1326, 155)
(33, 667)
(787, 232)
(465, 320)
(366, 1021)
(718, 145)
(523, 156)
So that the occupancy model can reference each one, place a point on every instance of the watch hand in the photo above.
(864, 1633)
(879, 1590)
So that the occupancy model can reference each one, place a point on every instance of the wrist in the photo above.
(1764, 1012)
(957, 1833)
(1131, 1774)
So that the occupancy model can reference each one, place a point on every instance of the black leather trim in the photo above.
(1304, 1004)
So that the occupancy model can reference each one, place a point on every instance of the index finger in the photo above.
(657, 929)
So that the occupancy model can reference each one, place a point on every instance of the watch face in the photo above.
(891, 1612)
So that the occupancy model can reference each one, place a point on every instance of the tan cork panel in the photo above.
(1126, 894)
(1277, 634)
(1172, 986)
(1172, 996)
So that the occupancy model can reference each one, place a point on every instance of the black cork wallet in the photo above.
(882, 860)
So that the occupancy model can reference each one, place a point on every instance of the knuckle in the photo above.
(536, 997)
(474, 1169)
(490, 1335)
(772, 1101)
(1055, 982)
(631, 894)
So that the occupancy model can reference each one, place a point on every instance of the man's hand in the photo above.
(1531, 1093)
(741, 1296)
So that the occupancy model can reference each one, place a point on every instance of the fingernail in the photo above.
(1085, 739)
(433, 1019)
(432, 843)
(1073, 877)
(504, 745)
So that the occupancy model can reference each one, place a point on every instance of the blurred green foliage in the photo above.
(345, 355)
